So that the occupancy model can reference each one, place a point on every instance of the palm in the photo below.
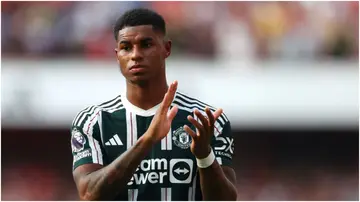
(193, 143)
(165, 127)
(161, 123)
(200, 145)
(197, 147)
(193, 147)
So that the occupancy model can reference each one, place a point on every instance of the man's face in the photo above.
(141, 52)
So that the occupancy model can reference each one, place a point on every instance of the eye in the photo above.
(146, 45)
(125, 48)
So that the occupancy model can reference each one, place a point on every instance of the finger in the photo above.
(203, 120)
(210, 116)
(196, 124)
(190, 132)
(169, 97)
(172, 113)
(171, 92)
(217, 113)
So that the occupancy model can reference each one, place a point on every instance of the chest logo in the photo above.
(181, 138)
(114, 141)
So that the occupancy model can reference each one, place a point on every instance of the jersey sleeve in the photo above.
(86, 138)
(223, 141)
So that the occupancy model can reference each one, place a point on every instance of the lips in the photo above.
(137, 69)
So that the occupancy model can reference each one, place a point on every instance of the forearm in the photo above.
(106, 183)
(215, 185)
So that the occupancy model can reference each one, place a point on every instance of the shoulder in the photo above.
(91, 112)
(189, 103)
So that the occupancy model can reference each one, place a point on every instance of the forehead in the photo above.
(137, 32)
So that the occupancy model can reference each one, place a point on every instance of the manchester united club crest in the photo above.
(181, 138)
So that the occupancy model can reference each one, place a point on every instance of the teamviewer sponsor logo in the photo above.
(181, 170)
(157, 171)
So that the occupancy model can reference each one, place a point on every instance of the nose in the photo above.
(137, 54)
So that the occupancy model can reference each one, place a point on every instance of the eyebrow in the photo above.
(146, 39)
(124, 42)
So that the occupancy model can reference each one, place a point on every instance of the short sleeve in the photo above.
(86, 138)
(223, 143)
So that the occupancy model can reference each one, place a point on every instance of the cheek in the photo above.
(155, 55)
(122, 62)
(121, 56)
(151, 52)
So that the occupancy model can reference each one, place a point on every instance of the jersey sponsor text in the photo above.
(154, 171)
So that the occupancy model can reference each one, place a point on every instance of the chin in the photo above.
(140, 80)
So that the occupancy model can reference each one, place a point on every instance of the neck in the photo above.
(148, 95)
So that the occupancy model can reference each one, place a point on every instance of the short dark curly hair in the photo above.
(140, 16)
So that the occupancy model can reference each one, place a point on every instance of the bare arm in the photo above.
(95, 182)
(218, 183)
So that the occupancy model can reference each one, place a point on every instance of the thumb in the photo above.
(172, 113)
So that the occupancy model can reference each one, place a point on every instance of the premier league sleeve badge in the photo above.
(77, 140)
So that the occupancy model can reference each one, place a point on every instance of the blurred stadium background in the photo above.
(286, 74)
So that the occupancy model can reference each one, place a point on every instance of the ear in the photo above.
(116, 55)
(167, 48)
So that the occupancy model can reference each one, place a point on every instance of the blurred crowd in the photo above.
(212, 30)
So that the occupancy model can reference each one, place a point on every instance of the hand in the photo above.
(200, 145)
(161, 123)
